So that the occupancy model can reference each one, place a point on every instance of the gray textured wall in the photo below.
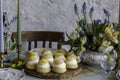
(56, 15)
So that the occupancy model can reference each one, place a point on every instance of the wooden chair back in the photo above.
(35, 36)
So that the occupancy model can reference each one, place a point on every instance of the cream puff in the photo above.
(32, 60)
(59, 66)
(78, 59)
(43, 66)
(71, 62)
(33, 56)
(62, 51)
(45, 52)
(49, 58)
(59, 56)
(73, 55)
(31, 65)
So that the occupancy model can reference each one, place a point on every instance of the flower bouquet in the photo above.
(98, 36)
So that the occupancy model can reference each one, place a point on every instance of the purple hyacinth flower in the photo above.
(107, 14)
(82, 32)
(76, 9)
(97, 21)
(94, 37)
(14, 19)
(106, 21)
(91, 12)
(84, 8)
(100, 35)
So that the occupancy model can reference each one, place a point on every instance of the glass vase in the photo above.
(92, 57)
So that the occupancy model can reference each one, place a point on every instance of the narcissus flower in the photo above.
(112, 34)
(74, 36)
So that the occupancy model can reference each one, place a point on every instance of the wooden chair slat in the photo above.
(35, 44)
(44, 36)
(50, 44)
(29, 45)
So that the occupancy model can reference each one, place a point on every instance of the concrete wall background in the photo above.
(56, 15)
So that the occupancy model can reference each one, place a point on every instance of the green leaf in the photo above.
(119, 42)
(64, 43)
(68, 36)
(14, 45)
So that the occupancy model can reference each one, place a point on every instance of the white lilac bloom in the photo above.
(83, 40)
(105, 47)
(74, 35)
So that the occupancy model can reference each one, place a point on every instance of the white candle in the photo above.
(119, 14)
(1, 28)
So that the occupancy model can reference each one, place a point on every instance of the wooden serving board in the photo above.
(52, 75)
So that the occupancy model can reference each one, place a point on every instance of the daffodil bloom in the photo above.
(83, 40)
(105, 47)
(78, 29)
(74, 36)
(106, 44)
(112, 34)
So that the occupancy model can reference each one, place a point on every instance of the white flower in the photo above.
(106, 50)
(106, 44)
(112, 34)
(78, 29)
(74, 35)
(83, 40)
(105, 47)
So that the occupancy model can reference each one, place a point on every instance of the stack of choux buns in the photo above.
(32, 60)
(57, 62)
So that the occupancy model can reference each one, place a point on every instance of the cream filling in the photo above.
(33, 58)
(32, 62)
(62, 65)
(71, 62)
(46, 53)
(47, 65)
(50, 60)
(60, 57)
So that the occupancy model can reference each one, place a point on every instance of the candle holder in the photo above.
(18, 63)
(2, 55)
(19, 51)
